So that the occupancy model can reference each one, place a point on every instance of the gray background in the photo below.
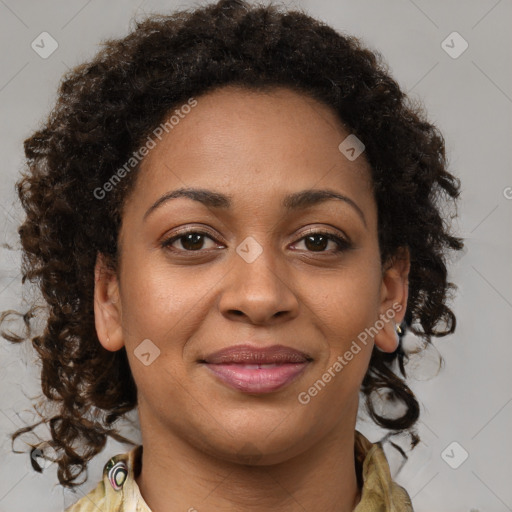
(470, 99)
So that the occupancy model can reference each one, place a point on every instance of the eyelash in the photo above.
(342, 244)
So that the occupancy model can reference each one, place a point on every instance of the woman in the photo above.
(233, 213)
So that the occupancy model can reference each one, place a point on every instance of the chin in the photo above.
(259, 444)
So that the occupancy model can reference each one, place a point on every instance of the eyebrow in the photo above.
(291, 202)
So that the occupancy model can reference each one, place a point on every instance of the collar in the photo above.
(119, 492)
(379, 493)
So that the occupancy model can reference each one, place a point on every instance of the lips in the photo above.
(255, 369)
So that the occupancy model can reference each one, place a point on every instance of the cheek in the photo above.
(165, 308)
(334, 388)
(156, 300)
(350, 301)
(346, 309)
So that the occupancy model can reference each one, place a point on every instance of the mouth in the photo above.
(257, 370)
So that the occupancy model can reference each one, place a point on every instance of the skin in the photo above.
(208, 446)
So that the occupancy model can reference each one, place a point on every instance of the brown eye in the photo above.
(190, 242)
(319, 241)
(316, 242)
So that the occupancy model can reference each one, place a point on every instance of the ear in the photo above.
(107, 306)
(394, 294)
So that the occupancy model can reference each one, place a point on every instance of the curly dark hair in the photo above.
(108, 106)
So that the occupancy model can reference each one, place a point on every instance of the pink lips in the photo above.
(257, 370)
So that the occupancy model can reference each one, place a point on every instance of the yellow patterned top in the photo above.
(118, 491)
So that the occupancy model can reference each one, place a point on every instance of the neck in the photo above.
(176, 476)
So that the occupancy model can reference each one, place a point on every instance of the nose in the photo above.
(258, 292)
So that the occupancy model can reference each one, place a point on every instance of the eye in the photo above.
(191, 241)
(316, 241)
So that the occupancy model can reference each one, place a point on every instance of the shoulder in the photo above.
(114, 493)
(379, 491)
(91, 502)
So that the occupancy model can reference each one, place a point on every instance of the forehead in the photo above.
(254, 145)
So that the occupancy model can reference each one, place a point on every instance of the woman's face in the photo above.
(262, 272)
